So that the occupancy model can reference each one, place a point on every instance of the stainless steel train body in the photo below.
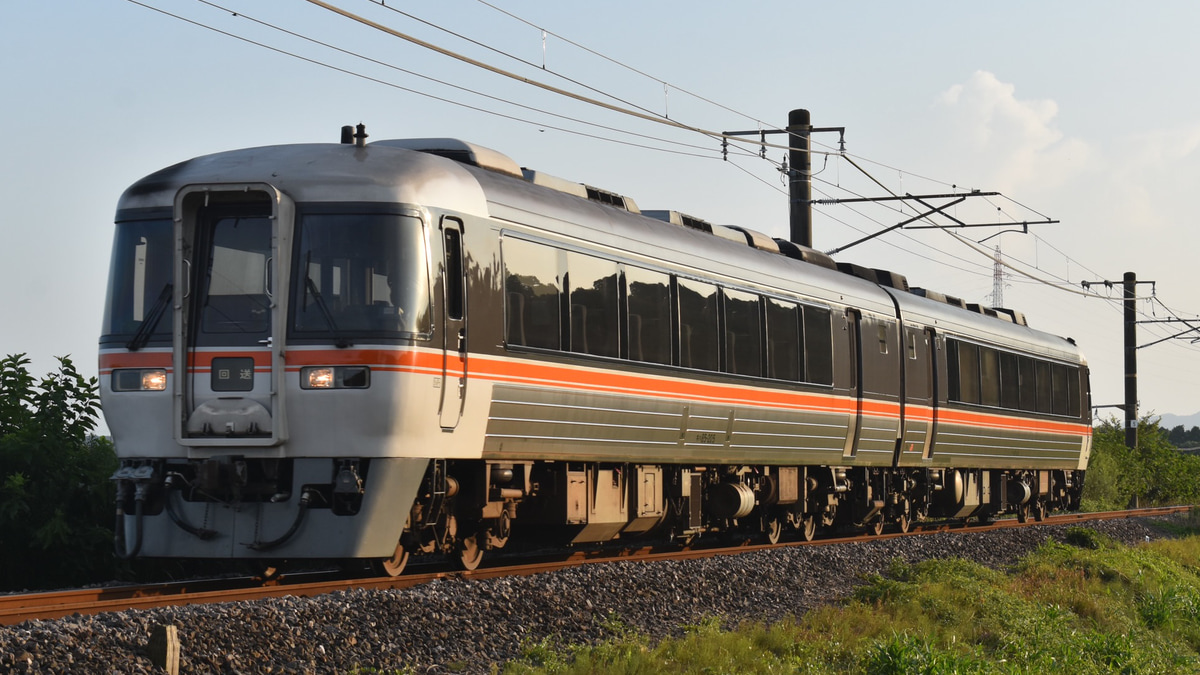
(376, 350)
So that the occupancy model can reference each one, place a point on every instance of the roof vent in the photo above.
(892, 280)
(858, 271)
(1000, 313)
(611, 198)
(554, 182)
(579, 189)
(1016, 317)
(730, 234)
(459, 151)
(926, 293)
(680, 219)
(957, 302)
(808, 255)
(757, 240)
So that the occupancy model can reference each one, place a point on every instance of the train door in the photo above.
(919, 402)
(232, 247)
(853, 327)
(934, 392)
(880, 363)
(454, 324)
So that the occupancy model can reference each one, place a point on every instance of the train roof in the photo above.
(999, 327)
(325, 172)
(474, 180)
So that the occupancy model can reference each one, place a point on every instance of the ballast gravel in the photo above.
(469, 626)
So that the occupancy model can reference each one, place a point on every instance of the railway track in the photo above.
(17, 608)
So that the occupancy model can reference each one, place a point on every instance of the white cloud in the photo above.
(1012, 143)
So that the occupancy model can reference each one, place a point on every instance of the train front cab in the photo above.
(255, 465)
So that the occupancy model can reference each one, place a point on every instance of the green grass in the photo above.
(1089, 606)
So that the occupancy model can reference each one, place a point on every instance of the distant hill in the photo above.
(1170, 421)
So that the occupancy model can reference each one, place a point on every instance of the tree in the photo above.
(1155, 471)
(56, 501)
(1185, 438)
(1178, 436)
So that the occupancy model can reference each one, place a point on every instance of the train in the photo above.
(381, 351)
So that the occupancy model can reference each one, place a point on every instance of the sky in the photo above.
(1078, 112)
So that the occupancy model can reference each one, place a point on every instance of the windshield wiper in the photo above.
(142, 336)
(338, 340)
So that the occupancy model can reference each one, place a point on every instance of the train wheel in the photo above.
(267, 570)
(808, 528)
(773, 527)
(875, 527)
(903, 523)
(394, 566)
(677, 537)
(498, 532)
(1022, 513)
(1039, 511)
(469, 553)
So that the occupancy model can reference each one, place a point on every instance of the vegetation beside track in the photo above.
(56, 502)
(1090, 606)
(1155, 472)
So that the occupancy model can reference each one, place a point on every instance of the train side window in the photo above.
(783, 340)
(743, 333)
(1028, 374)
(1080, 393)
(1010, 383)
(698, 344)
(989, 377)
(818, 345)
(532, 292)
(593, 307)
(1073, 391)
(1060, 395)
(1044, 387)
(952, 376)
(649, 326)
(968, 373)
(454, 271)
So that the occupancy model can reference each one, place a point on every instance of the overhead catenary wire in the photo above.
(410, 90)
(983, 269)
(243, 15)
(978, 248)
(658, 119)
(619, 63)
(505, 54)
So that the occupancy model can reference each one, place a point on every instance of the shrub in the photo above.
(55, 496)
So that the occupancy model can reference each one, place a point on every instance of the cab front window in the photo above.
(360, 276)
(138, 302)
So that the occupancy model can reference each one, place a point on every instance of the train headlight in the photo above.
(317, 378)
(335, 377)
(154, 380)
(139, 379)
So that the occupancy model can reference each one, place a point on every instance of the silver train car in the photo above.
(411, 347)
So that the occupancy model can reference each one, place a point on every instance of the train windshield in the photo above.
(360, 276)
(139, 284)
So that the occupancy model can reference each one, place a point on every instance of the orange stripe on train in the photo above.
(520, 371)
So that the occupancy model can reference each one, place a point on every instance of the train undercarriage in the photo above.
(468, 507)
(465, 508)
